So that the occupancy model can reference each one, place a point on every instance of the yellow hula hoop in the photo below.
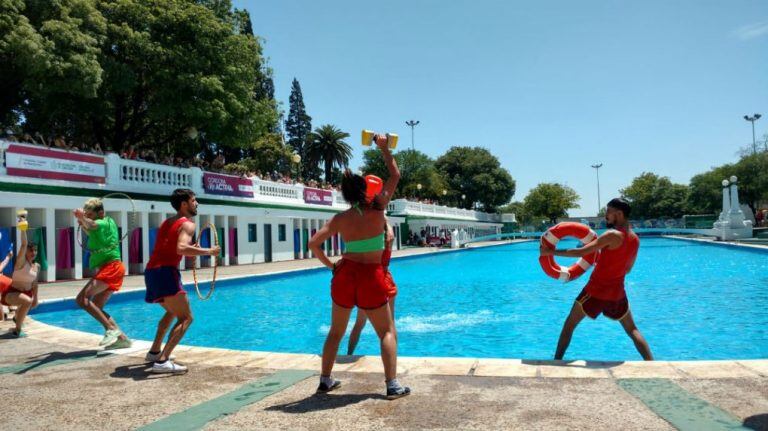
(215, 240)
(79, 235)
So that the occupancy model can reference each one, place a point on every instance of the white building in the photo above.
(261, 221)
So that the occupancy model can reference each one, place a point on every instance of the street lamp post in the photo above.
(752, 120)
(597, 171)
(412, 124)
(296, 160)
(418, 193)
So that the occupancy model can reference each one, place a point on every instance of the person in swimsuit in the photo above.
(104, 245)
(354, 335)
(604, 292)
(359, 278)
(21, 292)
(5, 281)
(163, 280)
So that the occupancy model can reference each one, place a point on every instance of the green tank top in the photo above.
(375, 243)
(103, 243)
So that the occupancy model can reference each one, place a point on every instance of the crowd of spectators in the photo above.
(425, 238)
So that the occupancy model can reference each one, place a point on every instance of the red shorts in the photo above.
(112, 274)
(391, 286)
(359, 284)
(5, 289)
(592, 306)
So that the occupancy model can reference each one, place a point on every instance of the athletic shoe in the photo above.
(119, 344)
(153, 357)
(168, 367)
(110, 337)
(398, 392)
(324, 388)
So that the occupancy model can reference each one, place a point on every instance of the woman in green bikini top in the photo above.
(359, 279)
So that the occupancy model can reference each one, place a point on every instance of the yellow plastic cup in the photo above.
(392, 140)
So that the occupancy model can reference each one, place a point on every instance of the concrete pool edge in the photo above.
(478, 367)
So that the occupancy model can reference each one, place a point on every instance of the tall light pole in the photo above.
(597, 171)
(412, 124)
(752, 120)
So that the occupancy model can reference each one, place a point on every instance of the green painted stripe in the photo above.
(196, 417)
(52, 360)
(679, 407)
(75, 191)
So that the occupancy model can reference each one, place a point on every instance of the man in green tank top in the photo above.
(104, 246)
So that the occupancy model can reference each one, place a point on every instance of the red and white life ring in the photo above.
(550, 239)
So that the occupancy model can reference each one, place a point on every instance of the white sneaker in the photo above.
(110, 336)
(153, 357)
(168, 367)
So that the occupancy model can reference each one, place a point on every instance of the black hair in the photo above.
(179, 196)
(622, 205)
(353, 189)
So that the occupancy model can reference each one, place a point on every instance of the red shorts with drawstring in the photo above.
(360, 284)
(592, 306)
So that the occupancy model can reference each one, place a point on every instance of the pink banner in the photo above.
(318, 196)
(38, 162)
(227, 185)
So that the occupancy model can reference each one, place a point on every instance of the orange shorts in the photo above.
(112, 274)
(5, 283)
(359, 284)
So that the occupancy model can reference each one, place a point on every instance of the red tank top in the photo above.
(607, 280)
(164, 253)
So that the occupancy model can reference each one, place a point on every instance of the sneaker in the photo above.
(325, 388)
(153, 357)
(168, 367)
(398, 392)
(119, 344)
(109, 337)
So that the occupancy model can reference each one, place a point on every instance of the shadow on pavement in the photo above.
(571, 363)
(139, 372)
(757, 422)
(318, 402)
(46, 358)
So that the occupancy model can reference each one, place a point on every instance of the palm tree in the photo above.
(326, 144)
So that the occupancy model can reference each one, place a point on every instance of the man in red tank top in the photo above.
(604, 293)
(163, 280)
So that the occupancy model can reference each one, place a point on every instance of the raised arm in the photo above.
(394, 172)
(5, 261)
(86, 223)
(607, 239)
(184, 248)
(22, 250)
(322, 235)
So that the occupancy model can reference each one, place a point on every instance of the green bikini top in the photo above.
(375, 243)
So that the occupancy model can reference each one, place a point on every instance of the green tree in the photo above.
(706, 190)
(326, 145)
(415, 168)
(133, 72)
(476, 173)
(298, 126)
(550, 200)
(653, 196)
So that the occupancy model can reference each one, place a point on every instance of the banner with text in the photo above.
(217, 184)
(318, 196)
(39, 162)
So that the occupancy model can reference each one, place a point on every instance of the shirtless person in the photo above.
(604, 293)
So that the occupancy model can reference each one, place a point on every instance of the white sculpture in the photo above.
(731, 223)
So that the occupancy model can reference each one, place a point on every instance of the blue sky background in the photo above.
(549, 87)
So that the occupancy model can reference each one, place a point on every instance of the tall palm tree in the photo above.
(326, 144)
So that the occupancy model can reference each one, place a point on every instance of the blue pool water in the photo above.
(690, 300)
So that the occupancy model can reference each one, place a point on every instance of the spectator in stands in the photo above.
(130, 153)
(168, 160)
(60, 143)
(218, 163)
(96, 149)
(181, 163)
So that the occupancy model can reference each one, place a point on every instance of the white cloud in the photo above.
(752, 31)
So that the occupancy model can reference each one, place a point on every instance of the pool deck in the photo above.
(56, 374)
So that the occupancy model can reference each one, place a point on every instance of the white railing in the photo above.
(278, 190)
(406, 207)
(138, 173)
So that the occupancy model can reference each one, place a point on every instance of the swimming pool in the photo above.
(691, 301)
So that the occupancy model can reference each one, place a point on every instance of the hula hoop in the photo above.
(79, 235)
(215, 239)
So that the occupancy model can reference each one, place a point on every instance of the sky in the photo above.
(549, 87)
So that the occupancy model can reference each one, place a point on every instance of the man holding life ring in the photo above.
(604, 293)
